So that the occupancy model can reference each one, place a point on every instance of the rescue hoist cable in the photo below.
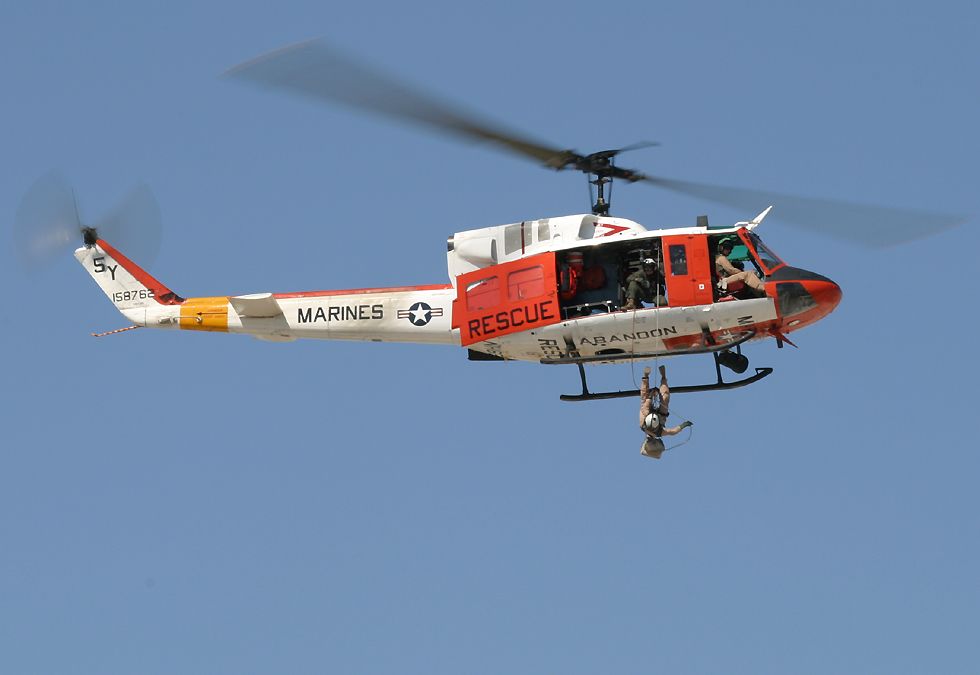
(656, 359)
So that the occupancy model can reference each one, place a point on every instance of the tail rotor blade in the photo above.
(134, 226)
(47, 221)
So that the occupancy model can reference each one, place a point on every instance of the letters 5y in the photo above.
(98, 264)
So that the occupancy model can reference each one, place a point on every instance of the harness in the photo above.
(662, 416)
(657, 408)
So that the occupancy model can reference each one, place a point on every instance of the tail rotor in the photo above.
(49, 223)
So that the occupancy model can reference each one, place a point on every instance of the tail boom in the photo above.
(419, 314)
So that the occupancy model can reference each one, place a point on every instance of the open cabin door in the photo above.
(688, 270)
(506, 298)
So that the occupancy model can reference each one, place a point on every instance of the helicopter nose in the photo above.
(802, 297)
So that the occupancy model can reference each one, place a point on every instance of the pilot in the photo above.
(645, 285)
(653, 415)
(729, 274)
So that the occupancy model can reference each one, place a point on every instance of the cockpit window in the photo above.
(769, 260)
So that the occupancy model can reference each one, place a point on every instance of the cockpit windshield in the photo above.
(766, 258)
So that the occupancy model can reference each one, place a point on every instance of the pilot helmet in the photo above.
(651, 421)
(649, 262)
(728, 242)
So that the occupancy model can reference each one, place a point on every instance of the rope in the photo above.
(690, 434)
(656, 359)
(633, 352)
(113, 332)
(660, 267)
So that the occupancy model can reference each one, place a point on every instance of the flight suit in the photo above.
(641, 288)
(729, 274)
(652, 445)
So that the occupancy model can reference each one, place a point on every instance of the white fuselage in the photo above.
(424, 314)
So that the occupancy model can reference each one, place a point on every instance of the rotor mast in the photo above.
(601, 168)
(601, 206)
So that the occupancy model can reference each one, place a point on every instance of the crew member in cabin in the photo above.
(653, 415)
(645, 285)
(729, 276)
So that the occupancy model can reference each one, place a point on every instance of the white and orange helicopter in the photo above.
(550, 291)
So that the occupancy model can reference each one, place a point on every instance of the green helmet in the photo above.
(727, 241)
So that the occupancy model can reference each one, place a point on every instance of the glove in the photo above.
(646, 372)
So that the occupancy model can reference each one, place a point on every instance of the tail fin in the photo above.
(128, 286)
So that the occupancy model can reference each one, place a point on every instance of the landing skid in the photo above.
(720, 385)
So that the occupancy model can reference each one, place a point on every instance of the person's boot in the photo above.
(629, 306)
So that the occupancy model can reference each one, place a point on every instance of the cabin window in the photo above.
(526, 283)
(483, 294)
(678, 260)
(793, 298)
(769, 260)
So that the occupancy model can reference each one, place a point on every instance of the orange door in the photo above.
(688, 270)
(506, 298)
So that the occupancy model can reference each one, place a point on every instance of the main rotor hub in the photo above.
(601, 169)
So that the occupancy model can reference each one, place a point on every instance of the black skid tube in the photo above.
(719, 385)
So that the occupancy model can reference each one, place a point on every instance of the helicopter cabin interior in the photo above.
(554, 286)
(594, 279)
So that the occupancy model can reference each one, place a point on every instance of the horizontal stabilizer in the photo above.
(256, 305)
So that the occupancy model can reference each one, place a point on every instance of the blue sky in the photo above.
(214, 504)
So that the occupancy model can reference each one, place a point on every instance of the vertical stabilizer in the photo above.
(130, 288)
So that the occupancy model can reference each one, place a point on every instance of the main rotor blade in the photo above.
(47, 220)
(134, 226)
(871, 226)
(639, 145)
(318, 71)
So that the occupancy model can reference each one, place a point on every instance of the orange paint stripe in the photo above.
(161, 293)
(207, 314)
(361, 291)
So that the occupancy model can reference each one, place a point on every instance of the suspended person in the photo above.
(653, 415)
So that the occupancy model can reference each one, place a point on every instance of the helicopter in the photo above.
(551, 290)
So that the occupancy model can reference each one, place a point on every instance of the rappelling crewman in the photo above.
(654, 404)
(645, 285)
